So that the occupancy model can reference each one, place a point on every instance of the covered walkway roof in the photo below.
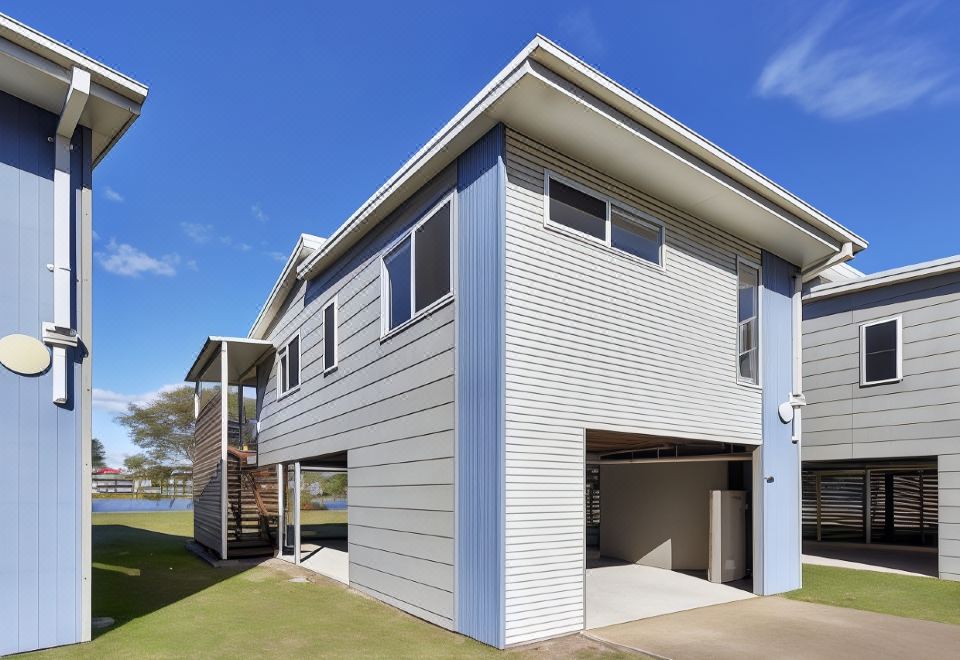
(242, 355)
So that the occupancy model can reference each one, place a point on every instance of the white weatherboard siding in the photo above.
(597, 340)
(949, 516)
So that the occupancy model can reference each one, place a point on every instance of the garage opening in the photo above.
(879, 513)
(314, 515)
(669, 525)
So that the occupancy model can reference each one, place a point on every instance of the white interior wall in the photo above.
(658, 514)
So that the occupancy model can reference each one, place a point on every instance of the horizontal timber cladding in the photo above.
(918, 416)
(207, 475)
(949, 516)
(389, 404)
(595, 339)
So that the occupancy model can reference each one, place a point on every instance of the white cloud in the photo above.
(258, 213)
(124, 259)
(579, 27)
(197, 232)
(115, 402)
(112, 195)
(842, 66)
(277, 256)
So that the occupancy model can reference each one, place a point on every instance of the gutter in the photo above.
(60, 335)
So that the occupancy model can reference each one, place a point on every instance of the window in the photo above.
(330, 333)
(572, 207)
(748, 323)
(416, 271)
(288, 370)
(880, 356)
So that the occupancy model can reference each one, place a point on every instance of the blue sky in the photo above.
(264, 122)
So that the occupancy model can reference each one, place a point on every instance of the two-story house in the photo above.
(881, 373)
(60, 114)
(539, 348)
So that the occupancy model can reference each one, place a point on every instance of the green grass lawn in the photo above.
(902, 595)
(168, 603)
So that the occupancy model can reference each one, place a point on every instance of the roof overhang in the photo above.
(242, 356)
(306, 245)
(39, 70)
(886, 278)
(554, 98)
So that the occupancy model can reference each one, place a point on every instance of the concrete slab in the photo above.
(882, 558)
(618, 592)
(328, 558)
(775, 627)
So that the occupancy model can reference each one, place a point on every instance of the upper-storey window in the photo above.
(416, 271)
(748, 323)
(330, 348)
(571, 206)
(288, 366)
(880, 351)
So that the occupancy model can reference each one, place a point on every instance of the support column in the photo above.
(224, 430)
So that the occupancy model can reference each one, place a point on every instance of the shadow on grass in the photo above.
(138, 571)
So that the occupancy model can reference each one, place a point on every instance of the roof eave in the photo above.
(886, 278)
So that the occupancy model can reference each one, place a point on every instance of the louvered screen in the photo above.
(841, 507)
(592, 505)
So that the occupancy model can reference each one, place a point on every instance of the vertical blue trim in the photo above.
(480, 375)
(780, 457)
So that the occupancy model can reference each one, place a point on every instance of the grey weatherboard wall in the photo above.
(481, 185)
(916, 417)
(777, 477)
(390, 405)
(41, 502)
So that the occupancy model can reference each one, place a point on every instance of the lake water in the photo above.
(120, 505)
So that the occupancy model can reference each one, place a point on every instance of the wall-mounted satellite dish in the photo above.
(786, 412)
(24, 355)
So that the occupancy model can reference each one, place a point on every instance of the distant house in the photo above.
(881, 430)
(564, 287)
(60, 114)
(112, 480)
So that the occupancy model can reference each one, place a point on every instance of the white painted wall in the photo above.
(658, 515)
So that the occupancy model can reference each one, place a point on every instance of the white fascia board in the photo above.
(695, 143)
(545, 52)
(306, 245)
(886, 278)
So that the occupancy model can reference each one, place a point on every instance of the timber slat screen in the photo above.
(207, 521)
(592, 505)
(900, 505)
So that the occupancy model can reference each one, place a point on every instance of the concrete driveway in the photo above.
(775, 627)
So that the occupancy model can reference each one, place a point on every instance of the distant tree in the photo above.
(136, 466)
(335, 485)
(163, 427)
(98, 453)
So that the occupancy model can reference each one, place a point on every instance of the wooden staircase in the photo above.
(252, 514)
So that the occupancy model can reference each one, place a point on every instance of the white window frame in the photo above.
(741, 261)
(863, 353)
(385, 330)
(640, 217)
(281, 377)
(336, 335)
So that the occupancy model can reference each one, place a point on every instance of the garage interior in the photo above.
(653, 504)
(313, 520)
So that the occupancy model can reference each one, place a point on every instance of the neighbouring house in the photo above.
(561, 343)
(60, 114)
(881, 431)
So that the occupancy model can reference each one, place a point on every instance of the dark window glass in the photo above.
(748, 307)
(880, 348)
(578, 210)
(398, 284)
(432, 253)
(634, 237)
(329, 336)
(293, 359)
(283, 375)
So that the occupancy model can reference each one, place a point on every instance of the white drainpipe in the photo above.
(59, 334)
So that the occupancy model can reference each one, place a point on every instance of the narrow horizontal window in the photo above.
(633, 235)
(577, 210)
(880, 346)
(748, 323)
(417, 271)
(604, 220)
(330, 335)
